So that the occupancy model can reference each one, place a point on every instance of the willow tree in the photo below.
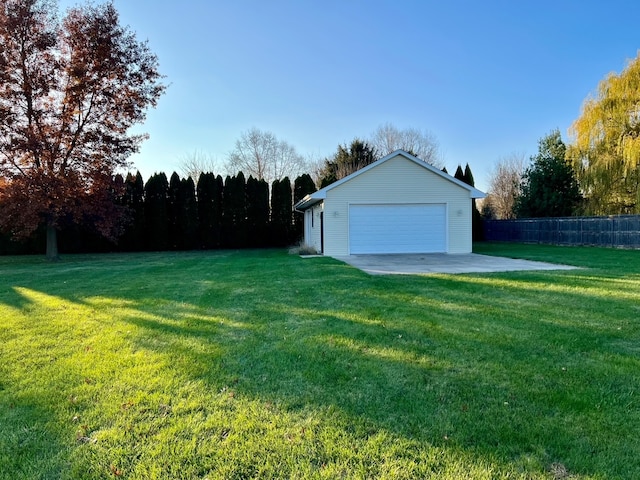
(70, 89)
(606, 144)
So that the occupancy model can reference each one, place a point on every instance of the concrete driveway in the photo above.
(412, 264)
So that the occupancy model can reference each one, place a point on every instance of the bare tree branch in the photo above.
(261, 155)
(195, 163)
(504, 185)
(388, 138)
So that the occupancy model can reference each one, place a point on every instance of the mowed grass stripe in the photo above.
(259, 364)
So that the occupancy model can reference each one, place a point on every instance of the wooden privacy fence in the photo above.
(622, 231)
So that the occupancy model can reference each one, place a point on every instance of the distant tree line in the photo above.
(178, 214)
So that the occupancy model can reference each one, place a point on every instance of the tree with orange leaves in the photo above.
(70, 89)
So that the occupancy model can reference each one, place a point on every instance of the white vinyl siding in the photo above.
(396, 181)
(397, 228)
(312, 232)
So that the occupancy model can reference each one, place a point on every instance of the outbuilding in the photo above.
(398, 204)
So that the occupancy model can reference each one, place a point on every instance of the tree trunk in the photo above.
(52, 243)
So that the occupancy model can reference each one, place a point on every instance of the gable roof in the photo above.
(317, 197)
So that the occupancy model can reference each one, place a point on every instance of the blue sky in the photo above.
(487, 79)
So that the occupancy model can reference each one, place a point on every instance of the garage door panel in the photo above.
(414, 228)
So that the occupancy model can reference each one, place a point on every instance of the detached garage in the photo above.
(398, 204)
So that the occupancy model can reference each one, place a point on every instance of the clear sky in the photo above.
(487, 79)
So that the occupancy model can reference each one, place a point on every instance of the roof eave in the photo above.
(475, 193)
(307, 202)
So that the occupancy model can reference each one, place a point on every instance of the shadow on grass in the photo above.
(29, 449)
(500, 368)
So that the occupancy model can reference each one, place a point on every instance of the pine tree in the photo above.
(549, 186)
(347, 160)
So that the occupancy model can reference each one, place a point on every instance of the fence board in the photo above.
(621, 231)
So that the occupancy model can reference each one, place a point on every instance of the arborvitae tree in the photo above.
(174, 210)
(468, 176)
(302, 186)
(459, 173)
(257, 212)
(188, 219)
(274, 227)
(281, 212)
(120, 197)
(210, 190)
(133, 237)
(476, 217)
(228, 212)
(155, 212)
(235, 212)
(250, 192)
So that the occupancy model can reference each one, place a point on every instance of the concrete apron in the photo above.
(412, 264)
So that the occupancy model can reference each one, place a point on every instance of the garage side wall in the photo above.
(397, 181)
(312, 225)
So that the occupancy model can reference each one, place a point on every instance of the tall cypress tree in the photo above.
(174, 210)
(257, 212)
(468, 176)
(281, 212)
(302, 186)
(209, 193)
(274, 227)
(459, 173)
(155, 211)
(477, 222)
(228, 212)
(133, 237)
(188, 219)
(235, 212)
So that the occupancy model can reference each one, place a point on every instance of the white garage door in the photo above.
(414, 228)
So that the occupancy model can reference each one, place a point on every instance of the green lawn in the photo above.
(261, 364)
